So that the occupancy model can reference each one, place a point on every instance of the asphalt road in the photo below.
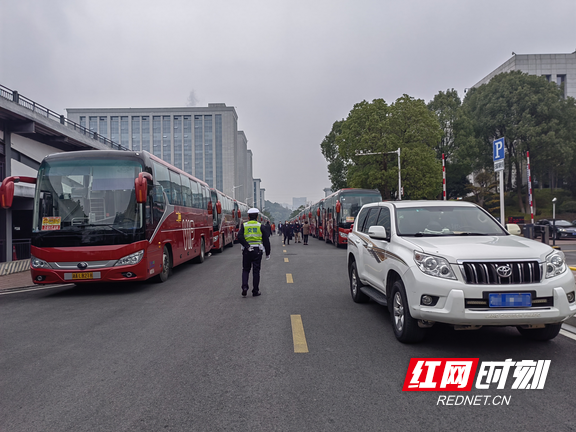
(193, 355)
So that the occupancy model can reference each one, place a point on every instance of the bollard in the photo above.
(546, 234)
(528, 231)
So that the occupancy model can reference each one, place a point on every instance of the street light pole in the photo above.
(234, 190)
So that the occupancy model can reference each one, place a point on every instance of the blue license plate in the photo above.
(501, 300)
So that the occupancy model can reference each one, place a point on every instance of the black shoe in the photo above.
(244, 292)
(256, 294)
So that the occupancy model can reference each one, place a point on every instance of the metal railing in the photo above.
(17, 98)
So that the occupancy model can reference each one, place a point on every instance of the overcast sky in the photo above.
(291, 68)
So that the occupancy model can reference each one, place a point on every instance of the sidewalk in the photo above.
(16, 280)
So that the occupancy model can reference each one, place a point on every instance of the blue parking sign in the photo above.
(498, 149)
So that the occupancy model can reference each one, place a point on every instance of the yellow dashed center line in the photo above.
(286, 260)
(284, 250)
(300, 345)
(289, 278)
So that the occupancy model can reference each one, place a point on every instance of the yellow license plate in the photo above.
(88, 275)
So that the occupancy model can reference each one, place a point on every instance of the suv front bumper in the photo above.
(452, 294)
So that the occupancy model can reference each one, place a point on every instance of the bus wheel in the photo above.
(166, 265)
(200, 258)
(221, 250)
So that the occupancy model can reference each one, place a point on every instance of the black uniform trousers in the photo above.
(251, 260)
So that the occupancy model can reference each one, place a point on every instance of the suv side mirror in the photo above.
(377, 232)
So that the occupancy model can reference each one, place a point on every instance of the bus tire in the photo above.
(200, 258)
(221, 250)
(166, 265)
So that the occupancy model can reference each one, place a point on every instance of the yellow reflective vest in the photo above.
(253, 233)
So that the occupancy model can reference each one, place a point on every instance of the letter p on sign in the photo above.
(498, 149)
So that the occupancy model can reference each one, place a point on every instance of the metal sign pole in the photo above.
(530, 188)
(502, 220)
(443, 177)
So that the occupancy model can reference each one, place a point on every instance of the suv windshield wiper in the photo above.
(472, 234)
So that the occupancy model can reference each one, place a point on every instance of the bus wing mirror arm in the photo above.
(7, 189)
(141, 186)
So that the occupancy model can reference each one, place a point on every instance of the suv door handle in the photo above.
(369, 247)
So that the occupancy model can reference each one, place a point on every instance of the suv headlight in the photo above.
(38, 263)
(555, 265)
(131, 259)
(434, 265)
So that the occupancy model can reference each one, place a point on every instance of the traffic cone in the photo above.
(14, 256)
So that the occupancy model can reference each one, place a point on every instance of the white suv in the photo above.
(452, 262)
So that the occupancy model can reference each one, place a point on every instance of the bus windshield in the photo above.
(89, 194)
(351, 205)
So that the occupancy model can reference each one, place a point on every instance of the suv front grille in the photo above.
(486, 273)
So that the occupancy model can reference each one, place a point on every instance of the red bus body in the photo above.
(176, 223)
(224, 220)
(339, 211)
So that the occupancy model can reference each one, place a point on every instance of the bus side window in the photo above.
(158, 206)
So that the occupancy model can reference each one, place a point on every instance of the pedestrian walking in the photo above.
(305, 232)
(288, 233)
(297, 232)
(254, 241)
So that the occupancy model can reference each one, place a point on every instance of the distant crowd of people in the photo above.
(294, 230)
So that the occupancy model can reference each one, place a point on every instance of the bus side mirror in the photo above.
(210, 207)
(141, 186)
(7, 189)
(6, 193)
(338, 206)
(218, 207)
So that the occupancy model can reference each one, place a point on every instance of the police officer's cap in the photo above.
(253, 210)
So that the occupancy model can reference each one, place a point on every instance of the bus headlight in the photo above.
(131, 259)
(38, 263)
(344, 235)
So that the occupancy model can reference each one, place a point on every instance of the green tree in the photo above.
(337, 166)
(527, 111)
(380, 128)
(448, 109)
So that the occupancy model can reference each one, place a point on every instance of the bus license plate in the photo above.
(88, 275)
(500, 300)
(82, 276)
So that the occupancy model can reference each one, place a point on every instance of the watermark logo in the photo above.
(457, 374)
(440, 374)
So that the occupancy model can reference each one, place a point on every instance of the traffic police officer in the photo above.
(254, 240)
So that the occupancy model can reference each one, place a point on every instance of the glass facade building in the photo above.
(202, 141)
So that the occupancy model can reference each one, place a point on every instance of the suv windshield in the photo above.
(89, 195)
(445, 221)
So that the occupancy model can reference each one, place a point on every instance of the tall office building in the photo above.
(249, 180)
(558, 68)
(203, 141)
(243, 182)
(257, 202)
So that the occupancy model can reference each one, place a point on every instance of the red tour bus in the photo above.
(224, 220)
(316, 219)
(103, 216)
(340, 210)
(241, 216)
